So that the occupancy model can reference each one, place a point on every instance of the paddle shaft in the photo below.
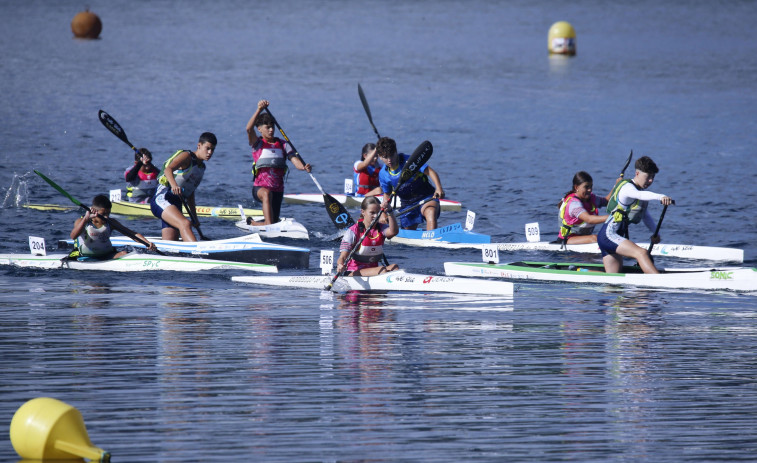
(115, 225)
(628, 161)
(367, 109)
(657, 230)
(336, 210)
(193, 215)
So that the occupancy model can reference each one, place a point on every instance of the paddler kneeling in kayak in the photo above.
(365, 261)
(91, 233)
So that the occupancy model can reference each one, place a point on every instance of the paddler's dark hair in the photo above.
(102, 202)
(369, 201)
(208, 137)
(366, 149)
(580, 177)
(142, 151)
(386, 147)
(264, 119)
(646, 164)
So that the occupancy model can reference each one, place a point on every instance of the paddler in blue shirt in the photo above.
(413, 191)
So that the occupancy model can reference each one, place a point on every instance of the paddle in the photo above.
(113, 224)
(419, 157)
(657, 230)
(115, 128)
(367, 109)
(336, 210)
(628, 161)
(193, 215)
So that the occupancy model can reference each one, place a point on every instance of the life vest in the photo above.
(417, 186)
(570, 226)
(143, 188)
(187, 179)
(630, 213)
(270, 155)
(94, 242)
(372, 246)
(366, 179)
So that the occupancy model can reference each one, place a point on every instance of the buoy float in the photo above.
(561, 39)
(86, 25)
(45, 428)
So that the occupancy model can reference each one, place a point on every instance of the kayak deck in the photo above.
(132, 262)
(709, 278)
(398, 280)
(285, 228)
(355, 201)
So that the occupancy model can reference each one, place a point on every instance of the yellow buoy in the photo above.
(86, 25)
(45, 428)
(561, 39)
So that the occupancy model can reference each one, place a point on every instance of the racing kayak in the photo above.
(356, 201)
(454, 233)
(143, 210)
(684, 251)
(398, 280)
(247, 248)
(285, 228)
(710, 278)
(132, 262)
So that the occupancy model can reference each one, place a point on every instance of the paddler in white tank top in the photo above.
(182, 174)
(92, 232)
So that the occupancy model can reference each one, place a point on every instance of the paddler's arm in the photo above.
(79, 225)
(439, 192)
(298, 164)
(340, 262)
(393, 228)
(179, 162)
(252, 137)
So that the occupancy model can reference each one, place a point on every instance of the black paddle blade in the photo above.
(114, 127)
(367, 109)
(337, 212)
(420, 156)
(628, 161)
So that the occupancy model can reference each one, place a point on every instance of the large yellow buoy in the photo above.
(561, 39)
(45, 428)
(86, 25)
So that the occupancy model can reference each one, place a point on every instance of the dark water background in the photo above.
(196, 368)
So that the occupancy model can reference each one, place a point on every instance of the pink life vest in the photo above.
(570, 226)
(269, 164)
(370, 251)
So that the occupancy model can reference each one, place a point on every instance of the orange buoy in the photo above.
(86, 25)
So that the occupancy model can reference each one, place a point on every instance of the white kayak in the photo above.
(684, 251)
(132, 262)
(247, 248)
(355, 201)
(398, 280)
(285, 228)
(711, 278)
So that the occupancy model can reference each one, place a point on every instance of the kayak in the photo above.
(709, 278)
(143, 210)
(247, 248)
(356, 201)
(454, 233)
(398, 280)
(132, 262)
(286, 228)
(684, 251)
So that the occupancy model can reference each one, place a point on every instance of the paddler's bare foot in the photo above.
(254, 223)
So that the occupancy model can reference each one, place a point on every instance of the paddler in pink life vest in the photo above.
(141, 178)
(269, 164)
(366, 172)
(579, 211)
(365, 261)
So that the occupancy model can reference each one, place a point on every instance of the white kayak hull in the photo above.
(392, 281)
(355, 201)
(132, 262)
(126, 208)
(684, 251)
(247, 248)
(286, 228)
(721, 278)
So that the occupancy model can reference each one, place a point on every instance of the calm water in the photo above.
(187, 368)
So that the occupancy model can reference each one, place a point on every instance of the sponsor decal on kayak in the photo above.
(721, 275)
